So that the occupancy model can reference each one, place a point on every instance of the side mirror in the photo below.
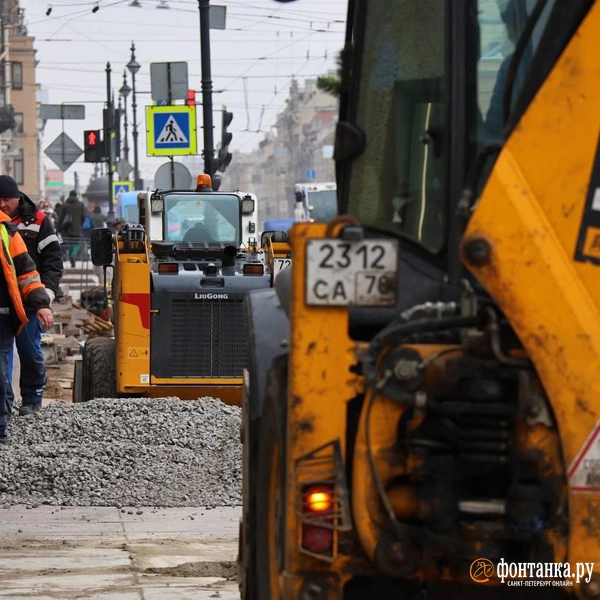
(102, 246)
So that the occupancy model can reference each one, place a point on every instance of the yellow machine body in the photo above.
(538, 258)
(133, 319)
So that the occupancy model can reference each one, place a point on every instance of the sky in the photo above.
(265, 44)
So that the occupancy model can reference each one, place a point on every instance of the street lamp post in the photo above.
(133, 67)
(124, 92)
(209, 150)
(108, 129)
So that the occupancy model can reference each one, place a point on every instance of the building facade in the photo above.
(299, 149)
(20, 124)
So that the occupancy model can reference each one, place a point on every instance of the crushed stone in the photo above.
(124, 452)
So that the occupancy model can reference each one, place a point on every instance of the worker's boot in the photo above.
(29, 409)
(3, 437)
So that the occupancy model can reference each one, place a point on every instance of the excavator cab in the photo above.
(420, 407)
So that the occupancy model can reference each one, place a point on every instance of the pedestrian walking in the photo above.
(97, 218)
(20, 286)
(47, 209)
(70, 222)
(35, 227)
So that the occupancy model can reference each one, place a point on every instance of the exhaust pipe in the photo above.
(229, 254)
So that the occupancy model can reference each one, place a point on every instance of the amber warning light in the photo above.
(203, 181)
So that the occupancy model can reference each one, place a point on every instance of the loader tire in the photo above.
(99, 369)
(267, 325)
(270, 501)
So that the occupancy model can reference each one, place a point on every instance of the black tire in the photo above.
(268, 531)
(267, 326)
(99, 369)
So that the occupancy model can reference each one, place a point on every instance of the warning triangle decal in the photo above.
(171, 133)
(584, 472)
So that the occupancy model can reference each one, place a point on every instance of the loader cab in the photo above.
(435, 87)
(200, 215)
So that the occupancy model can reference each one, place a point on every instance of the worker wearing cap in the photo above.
(43, 246)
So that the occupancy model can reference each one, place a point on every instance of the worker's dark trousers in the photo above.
(7, 338)
(32, 379)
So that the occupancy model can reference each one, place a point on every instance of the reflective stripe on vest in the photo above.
(6, 244)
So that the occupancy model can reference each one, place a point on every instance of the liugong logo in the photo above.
(211, 296)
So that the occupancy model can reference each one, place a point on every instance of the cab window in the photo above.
(202, 218)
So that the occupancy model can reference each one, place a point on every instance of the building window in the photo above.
(17, 75)
(19, 122)
(19, 168)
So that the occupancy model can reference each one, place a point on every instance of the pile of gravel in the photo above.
(125, 452)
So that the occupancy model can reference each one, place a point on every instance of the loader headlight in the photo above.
(247, 205)
(157, 203)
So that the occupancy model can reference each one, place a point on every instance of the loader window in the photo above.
(397, 183)
(400, 181)
(501, 23)
(324, 205)
(202, 218)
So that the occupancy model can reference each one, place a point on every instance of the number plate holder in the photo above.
(349, 273)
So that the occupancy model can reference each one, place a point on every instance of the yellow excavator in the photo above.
(421, 407)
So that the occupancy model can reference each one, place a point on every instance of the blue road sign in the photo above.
(120, 188)
(171, 130)
(310, 174)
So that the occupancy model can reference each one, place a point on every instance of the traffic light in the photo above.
(226, 136)
(92, 146)
(191, 98)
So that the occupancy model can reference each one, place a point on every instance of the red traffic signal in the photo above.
(191, 98)
(92, 145)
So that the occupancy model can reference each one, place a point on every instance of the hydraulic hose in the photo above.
(395, 334)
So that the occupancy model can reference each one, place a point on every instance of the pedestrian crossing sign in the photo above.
(171, 130)
(119, 188)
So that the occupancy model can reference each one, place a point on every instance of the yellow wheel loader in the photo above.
(421, 407)
(180, 277)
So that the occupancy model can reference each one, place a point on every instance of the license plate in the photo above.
(281, 264)
(340, 273)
